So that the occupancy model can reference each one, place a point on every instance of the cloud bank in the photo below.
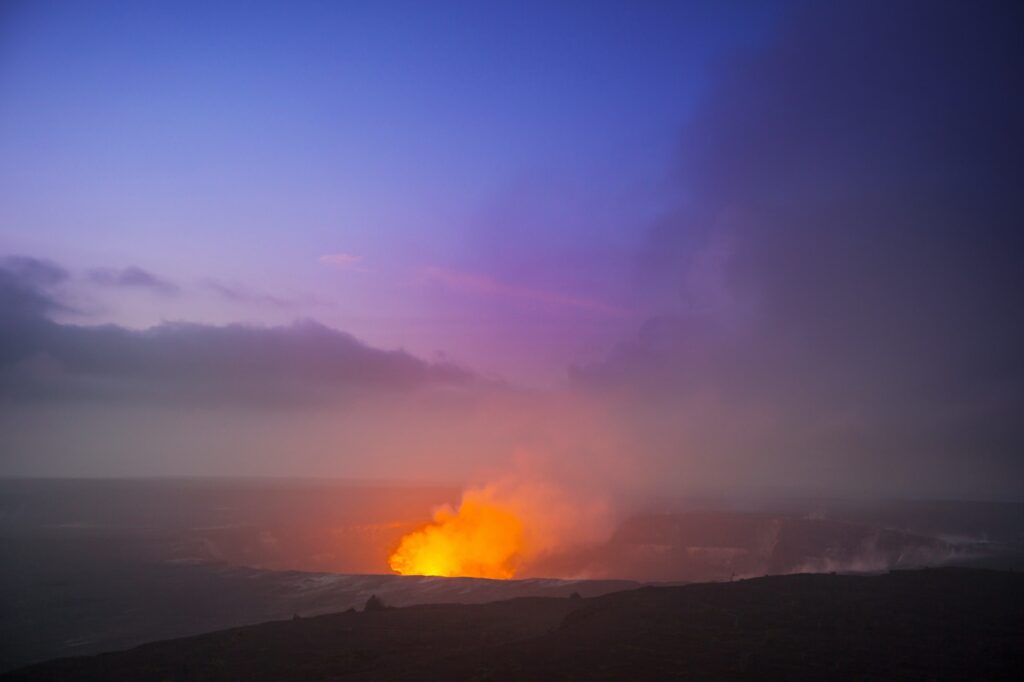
(303, 363)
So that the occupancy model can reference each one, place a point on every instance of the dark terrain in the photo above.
(83, 597)
(928, 624)
(88, 566)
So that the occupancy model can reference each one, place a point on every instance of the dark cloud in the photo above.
(846, 253)
(33, 272)
(134, 278)
(25, 282)
(299, 364)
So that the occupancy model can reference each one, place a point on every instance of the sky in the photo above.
(418, 175)
(712, 244)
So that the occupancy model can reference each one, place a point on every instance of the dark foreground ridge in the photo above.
(928, 624)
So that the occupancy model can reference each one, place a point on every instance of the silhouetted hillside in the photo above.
(931, 624)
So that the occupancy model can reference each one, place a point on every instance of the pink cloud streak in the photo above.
(488, 286)
(343, 261)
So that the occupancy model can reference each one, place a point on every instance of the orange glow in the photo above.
(483, 539)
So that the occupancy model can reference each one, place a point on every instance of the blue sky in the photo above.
(530, 143)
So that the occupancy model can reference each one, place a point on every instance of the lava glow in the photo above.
(483, 539)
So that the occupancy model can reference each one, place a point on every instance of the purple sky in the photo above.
(730, 245)
(443, 179)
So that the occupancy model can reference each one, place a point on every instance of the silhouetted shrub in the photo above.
(374, 603)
